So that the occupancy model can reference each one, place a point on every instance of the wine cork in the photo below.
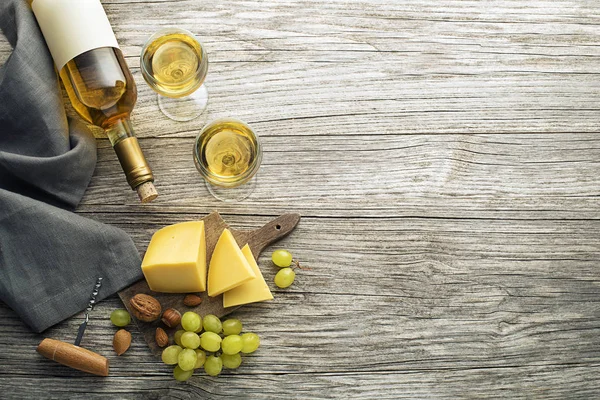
(74, 356)
(146, 192)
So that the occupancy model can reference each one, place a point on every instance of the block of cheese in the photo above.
(175, 261)
(250, 292)
(228, 267)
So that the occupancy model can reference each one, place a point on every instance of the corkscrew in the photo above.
(88, 309)
(72, 355)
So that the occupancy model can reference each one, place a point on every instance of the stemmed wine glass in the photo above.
(228, 154)
(174, 64)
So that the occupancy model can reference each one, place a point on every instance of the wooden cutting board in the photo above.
(214, 225)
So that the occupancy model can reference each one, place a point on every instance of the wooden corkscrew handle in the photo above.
(74, 356)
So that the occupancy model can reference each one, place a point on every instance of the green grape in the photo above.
(120, 317)
(232, 344)
(251, 341)
(187, 359)
(285, 277)
(231, 361)
(281, 258)
(190, 340)
(170, 355)
(182, 375)
(190, 321)
(232, 327)
(213, 365)
(210, 341)
(212, 323)
(177, 337)
(201, 358)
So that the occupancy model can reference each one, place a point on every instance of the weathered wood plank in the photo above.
(361, 67)
(482, 176)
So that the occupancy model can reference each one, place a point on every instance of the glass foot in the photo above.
(235, 194)
(184, 108)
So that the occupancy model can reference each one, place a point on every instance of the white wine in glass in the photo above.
(228, 155)
(174, 64)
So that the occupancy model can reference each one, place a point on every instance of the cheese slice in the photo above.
(175, 261)
(250, 292)
(228, 267)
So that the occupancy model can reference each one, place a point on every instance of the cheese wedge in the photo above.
(250, 292)
(175, 261)
(228, 267)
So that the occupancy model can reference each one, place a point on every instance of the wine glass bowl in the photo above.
(228, 154)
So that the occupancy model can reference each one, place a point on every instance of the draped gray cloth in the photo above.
(50, 257)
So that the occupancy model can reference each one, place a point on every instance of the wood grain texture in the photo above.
(444, 156)
(214, 225)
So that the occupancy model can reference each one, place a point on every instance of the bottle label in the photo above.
(72, 27)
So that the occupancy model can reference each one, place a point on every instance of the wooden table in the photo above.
(444, 156)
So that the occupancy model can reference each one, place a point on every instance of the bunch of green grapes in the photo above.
(218, 346)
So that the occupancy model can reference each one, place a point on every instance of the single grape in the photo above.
(213, 365)
(232, 327)
(231, 361)
(177, 337)
(285, 277)
(212, 323)
(170, 355)
(182, 375)
(251, 341)
(281, 258)
(187, 359)
(210, 341)
(232, 344)
(190, 321)
(201, 358)
(190, 340)
(120, 317)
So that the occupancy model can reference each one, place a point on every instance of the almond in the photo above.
(121, 341)
(192, 300)
(162, 339)
(145, 308)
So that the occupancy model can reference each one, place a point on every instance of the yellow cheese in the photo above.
(228, 266)
(250, 292)
(175, 261)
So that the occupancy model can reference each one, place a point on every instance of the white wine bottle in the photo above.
(96, 78)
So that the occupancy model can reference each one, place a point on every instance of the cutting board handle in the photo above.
(273, 231)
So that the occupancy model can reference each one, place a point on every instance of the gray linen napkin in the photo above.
(49, 256)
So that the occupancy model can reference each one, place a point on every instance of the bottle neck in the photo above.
(119, 130)
(129, 153)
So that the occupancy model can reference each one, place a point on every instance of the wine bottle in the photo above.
(96, 78)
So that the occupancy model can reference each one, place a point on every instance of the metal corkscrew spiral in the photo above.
(88, 309)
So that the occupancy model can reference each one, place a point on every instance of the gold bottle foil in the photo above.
(133, 162)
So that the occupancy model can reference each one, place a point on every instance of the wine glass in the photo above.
(228, 153)
(174, 64)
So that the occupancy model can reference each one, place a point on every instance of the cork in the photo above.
(74, 356)
(147, 192)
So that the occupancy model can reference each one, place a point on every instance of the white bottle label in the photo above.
(72, 27)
